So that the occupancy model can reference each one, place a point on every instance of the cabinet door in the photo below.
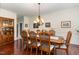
(1, 39)
(1, 22)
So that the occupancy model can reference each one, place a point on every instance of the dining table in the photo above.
(58, 40)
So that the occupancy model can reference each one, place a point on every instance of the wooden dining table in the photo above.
(55, 39)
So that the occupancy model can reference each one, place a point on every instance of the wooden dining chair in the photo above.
(24, 39)
(66, 44)
(45, 43)
(34, 42)
(52, 32)
(38, 31)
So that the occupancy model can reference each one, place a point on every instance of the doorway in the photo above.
(21, 24)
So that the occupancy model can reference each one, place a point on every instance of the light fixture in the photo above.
(39, 20)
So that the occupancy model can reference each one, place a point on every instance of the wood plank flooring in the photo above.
(16, 49)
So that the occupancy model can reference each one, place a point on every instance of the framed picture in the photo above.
(65, 24)
(26, 25)
(47, 24)
(35, 25)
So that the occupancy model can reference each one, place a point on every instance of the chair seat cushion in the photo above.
(24, 46)
(63, 46)
(45, 47)
(29, 41)
(36, 44)
(51, 47)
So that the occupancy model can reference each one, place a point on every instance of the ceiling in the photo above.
(31, 9)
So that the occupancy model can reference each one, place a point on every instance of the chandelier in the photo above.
(39, 20)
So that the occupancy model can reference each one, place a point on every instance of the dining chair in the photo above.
(34, 42)
(66, 44)
(24, 39)
(52, 32)
(38, 31)
(44, 30)
(45, 43)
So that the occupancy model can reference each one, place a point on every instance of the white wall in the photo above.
(26, 21)
(9, 14)
(55, 18)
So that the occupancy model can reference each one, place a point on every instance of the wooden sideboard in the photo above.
(6, 30)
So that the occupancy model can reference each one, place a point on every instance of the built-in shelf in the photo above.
(6, 30)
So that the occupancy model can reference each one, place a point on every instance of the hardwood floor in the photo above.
(16, 49)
